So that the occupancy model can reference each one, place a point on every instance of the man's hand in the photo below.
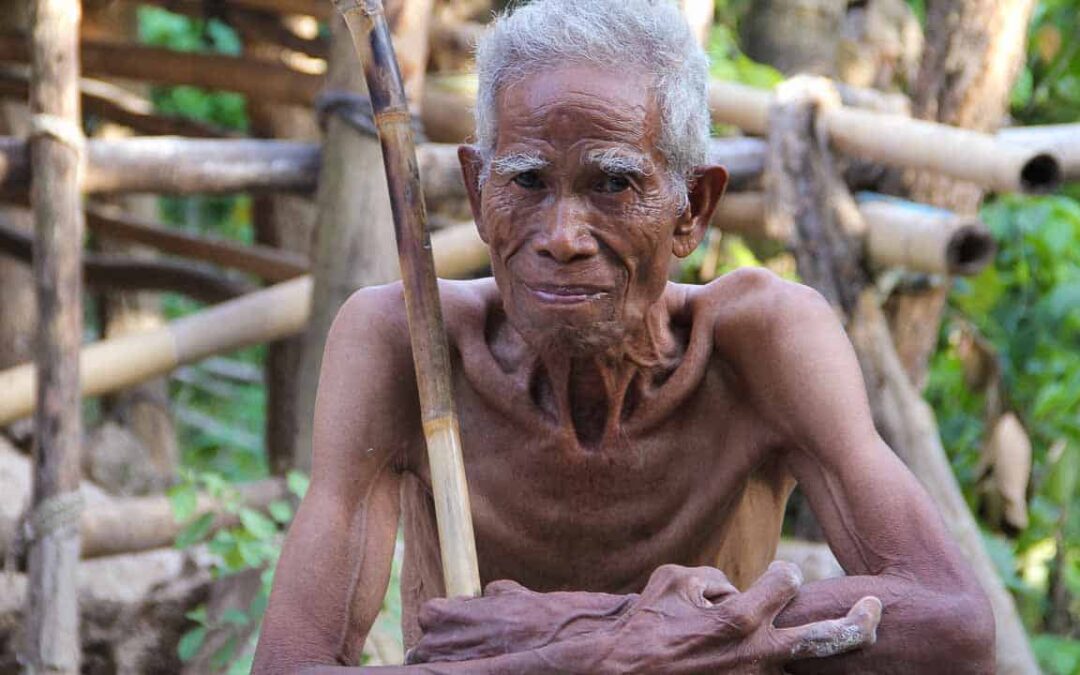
(693, 620)
(510, 618)
(686, 620)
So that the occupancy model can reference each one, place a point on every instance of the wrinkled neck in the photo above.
(591, 394)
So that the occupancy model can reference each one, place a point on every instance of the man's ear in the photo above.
(472, 165)
(706, 188)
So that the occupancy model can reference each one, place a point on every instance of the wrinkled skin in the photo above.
(629, 444)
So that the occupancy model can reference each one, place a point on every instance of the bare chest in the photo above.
(554, 515)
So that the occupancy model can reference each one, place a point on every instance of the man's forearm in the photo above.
(921, 630)
(576, 655)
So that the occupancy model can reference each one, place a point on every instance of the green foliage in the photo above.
(1048, 88)
(254, 543)
(1027, 304)
(727, 62)
(161, 28)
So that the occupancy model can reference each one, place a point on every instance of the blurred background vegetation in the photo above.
(1024, 311)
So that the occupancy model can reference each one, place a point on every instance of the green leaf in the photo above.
(235, 617)
(281, 511)
(257, 524)
(196, 531)
(298, 483)
(183, 499)
(190, 643)
(198, 615)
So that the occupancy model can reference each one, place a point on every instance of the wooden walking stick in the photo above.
(371, 35)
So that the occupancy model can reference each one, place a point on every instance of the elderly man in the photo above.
(630, 443)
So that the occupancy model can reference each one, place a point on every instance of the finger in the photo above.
(828, 638)
(773, 590)
(708, 585)
(503, 586)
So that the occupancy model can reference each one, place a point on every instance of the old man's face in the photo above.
(579, 210)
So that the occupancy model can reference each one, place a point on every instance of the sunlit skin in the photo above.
(629, 443)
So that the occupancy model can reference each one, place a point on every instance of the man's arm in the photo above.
(804, 378)
(335, 566)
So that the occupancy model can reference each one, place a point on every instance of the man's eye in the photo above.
(530, 180)
(613, 183)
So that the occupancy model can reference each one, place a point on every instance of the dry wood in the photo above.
(185, 166)
(453, 45)
(286, 222)
(258, 79)
(117, 272)
(974, 51)
(895, 140)
(267, 263)
(898, 233)
(52, 635)
(431, 356)
(117, 105)
(263, 316)
(924, 240)
(1061, 139)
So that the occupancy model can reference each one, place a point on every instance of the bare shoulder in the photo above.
(752, 303)
(377, 313)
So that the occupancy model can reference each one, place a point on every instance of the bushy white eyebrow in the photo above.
(513, 163)
(618, 161)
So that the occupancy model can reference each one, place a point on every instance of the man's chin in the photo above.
(573, 338)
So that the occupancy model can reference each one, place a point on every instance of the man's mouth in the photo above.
(558, 294)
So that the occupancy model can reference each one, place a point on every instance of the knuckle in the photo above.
(789, 574)
(666, 574)
(502, 586)
(430, 613)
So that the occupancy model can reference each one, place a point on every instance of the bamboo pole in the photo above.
(895, 140)
(56, 147)
(263, 316)
(1063, 140)
(898, 233)
(171, 165)
(431, 357)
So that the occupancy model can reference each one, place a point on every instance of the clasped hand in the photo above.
(686, 620)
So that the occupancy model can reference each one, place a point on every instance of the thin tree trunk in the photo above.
(354, 225)
(52, 616)
(285, 222)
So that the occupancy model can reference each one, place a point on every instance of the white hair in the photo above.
(629, 35)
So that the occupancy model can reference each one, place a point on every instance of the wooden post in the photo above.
(56, 155)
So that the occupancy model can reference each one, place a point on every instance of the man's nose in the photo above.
(566, 236)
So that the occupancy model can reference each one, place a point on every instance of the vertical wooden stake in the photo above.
(371, 35)
(56, 151)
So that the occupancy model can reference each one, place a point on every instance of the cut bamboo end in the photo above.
(898, 233)
(1041, 173)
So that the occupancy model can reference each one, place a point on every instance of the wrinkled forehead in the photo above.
(567, 105)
